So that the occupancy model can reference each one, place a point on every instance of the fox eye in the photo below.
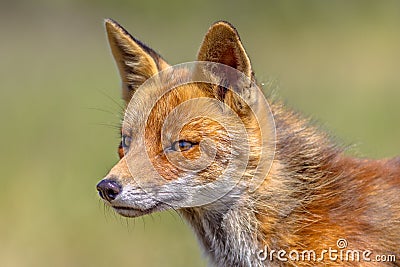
(126, 141)
(182, 145)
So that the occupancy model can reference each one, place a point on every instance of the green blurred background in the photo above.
(338, 61)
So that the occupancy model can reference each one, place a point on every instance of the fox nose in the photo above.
(108, 189)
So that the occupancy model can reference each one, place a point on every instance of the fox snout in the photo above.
(129, 196)
(108, 189)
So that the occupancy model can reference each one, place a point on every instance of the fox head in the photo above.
(193, 135)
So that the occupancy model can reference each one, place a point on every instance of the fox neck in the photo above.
(228, 236)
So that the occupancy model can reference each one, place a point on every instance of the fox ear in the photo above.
(222, 45)
(136, 62)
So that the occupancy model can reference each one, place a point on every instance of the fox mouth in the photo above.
(136, 212)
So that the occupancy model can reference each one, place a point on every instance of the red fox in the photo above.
(313, 204)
